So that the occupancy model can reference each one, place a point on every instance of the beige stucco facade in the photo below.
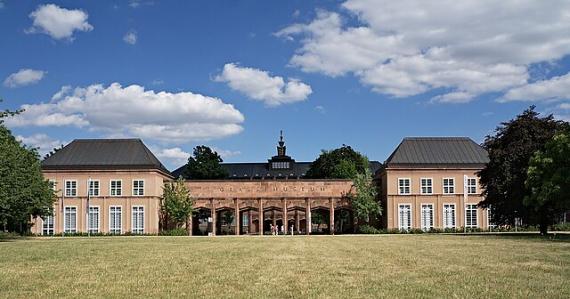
(149, 200)
(393, 199)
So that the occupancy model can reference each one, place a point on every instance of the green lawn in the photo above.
(286, 267)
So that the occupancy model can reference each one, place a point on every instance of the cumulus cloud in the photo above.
(24, 77)
(133, 111)
(555, 88)
(261, 86)
(461, 49)
(57, 22)
(225, 154)
(130, 37)
(42, 142)
(172, 156)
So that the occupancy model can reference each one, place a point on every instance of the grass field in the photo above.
(286, 267)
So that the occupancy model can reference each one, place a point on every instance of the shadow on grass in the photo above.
(552, 236)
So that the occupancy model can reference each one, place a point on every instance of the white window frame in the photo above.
(423, 225)
(138, 188)
(410, 218)
(469, 186)
(65, 188)
(98, 189)
(111, 187)
(50, 229)
(428, 187)
(443, 216)
(71, 230)
(476, 215)
(409, 186)
(448, 186)
(137, 230)
(98, 228)
(111, 229)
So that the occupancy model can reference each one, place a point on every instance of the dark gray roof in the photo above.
(262, 170)
(104, 154)
(438, 152)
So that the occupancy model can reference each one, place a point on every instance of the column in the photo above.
(273, 218)
(249, 221)
(260, 217)
(297, 222)
(237, 218)
(308, 217)
(213, 215)
(285, 222)
(331, 217)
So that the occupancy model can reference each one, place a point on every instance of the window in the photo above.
(404, 186)
(93, 220)
(280, 165)
(449, 186)
(93, 188)
(448, 216)
(116, 188)
(47, 226)
(471, 215)
(70, 188)
(52, 185)
(427, 217)
(138, 220)
(471, 186)
(115, 213)
(427, 186)
(70, 220)
(138, 187)
(405, 217)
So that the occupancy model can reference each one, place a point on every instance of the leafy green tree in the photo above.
(548, 180)
(340, 163)
(510, 149)
(319, 217)
(204, 165)
(176, 206)
(24, 193)
(364, 200)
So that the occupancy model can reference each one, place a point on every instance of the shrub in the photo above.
(174, 232)
(367, 229)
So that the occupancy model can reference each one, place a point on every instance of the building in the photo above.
(115, 183)
(114, 186)
(432, 183)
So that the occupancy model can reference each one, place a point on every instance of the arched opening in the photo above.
(249, 217)
(343, 221)
(320, 221)
(201, 222)
(226, 221)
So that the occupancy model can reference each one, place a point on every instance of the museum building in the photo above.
(115, 186)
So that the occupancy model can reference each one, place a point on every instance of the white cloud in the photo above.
(130, 37)
(564, 106)
(133, 111)
(259, 85)
(57, 22)
(24, 77)
(172, 156)
(225, 154)
(461, 49)
(43, 142)
(555, 88)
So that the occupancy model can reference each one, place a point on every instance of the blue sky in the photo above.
(231, 74)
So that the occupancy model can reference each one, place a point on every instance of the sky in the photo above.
(232, 74)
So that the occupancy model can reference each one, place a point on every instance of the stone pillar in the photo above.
(285, 221)
(260, 217)
(213, 215)
(331, 217)
(297, 221)
(273, 218)
(250, 221)
(308, 223)
(237, 218)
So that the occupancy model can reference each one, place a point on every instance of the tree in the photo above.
(176, 205)
(364, 201)
(24, 193)
(204, 165)
(53, 151)
(340, 163)
(510, 149)
(548, 180)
